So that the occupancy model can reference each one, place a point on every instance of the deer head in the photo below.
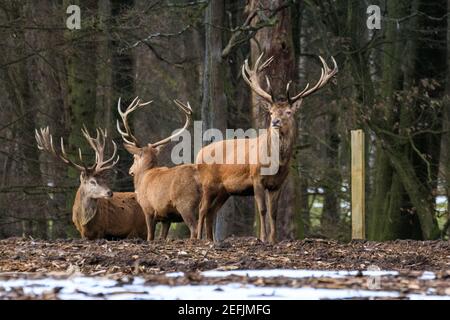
(92, 181)
(145, 155)
(282, 112)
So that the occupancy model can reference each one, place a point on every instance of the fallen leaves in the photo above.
(151, 258)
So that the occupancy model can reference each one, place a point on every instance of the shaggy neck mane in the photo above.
(287, 142)
(88, 208)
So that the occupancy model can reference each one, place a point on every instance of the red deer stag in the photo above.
(97, 212)
(165, 194)
(222, 180)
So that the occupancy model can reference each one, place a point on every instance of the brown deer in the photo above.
(222, 180)
(97, 212)
(165, 194)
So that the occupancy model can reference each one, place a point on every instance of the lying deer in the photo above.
(222, 180)
(165, 194)
(97, 212)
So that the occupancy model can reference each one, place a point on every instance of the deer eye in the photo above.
(289, 112)
(92, 182)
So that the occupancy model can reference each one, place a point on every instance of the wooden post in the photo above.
(358, 185)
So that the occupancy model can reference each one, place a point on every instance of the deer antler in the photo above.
(127, 136)
(251, 77)
(186, 108)
(98, 144)
(326, 75)
(45, 142)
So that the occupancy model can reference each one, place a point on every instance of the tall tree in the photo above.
(277, 42)
(214, 101)
(19, 87)
(50, 95)
(409, 147)
(82, 75)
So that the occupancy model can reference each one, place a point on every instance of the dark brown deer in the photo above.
(229, 178)
(97, 212)
(165, 194)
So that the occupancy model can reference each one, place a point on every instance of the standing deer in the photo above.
(97, 212)
(222, 180)
(165, 194)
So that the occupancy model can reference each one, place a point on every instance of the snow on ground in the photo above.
(82, 287)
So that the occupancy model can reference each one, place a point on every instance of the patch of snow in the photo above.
(81, 287)
(426, 297)
(427, 275)
(101, 288)
(290, 273)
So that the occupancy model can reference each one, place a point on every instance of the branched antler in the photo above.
(326, 75)
(45, 142)
(251, 77)
(98, 144)
(128, 136)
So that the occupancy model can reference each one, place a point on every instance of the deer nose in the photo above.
(109, 193)
(276, 122)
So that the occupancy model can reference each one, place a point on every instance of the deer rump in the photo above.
(171, 193)
(119, 217)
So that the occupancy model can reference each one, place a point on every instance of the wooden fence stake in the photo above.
(358, 185)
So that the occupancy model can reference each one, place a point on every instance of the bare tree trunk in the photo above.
(446, 137)
(214, 101)
(277, 41)
(407, 172)
(19, 86)
(49, 92)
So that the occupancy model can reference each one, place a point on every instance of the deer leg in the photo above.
(203, 211)
(260, 197)
(151, 225)
(210, 218)
(274, 196)
(209, 227)
(191, 222)
(164, 230)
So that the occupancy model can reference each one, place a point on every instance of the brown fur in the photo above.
(165, 194)
(117, 217)
(97, 212)
(219, 181)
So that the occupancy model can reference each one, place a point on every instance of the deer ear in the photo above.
(131, 149)
(82, 176)
(296, 105)
(157, 149)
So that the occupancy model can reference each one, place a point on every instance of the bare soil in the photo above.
(135, 256)
(152, 260)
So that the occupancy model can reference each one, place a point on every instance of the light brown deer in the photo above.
(97, 212)
(165, 194)
(222, 180)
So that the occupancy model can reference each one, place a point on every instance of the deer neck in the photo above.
(287, 137)
(88, 207)
(139, 178)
